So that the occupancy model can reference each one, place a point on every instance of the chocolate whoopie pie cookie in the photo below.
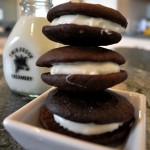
(101, 117)
(82, 69)
(83, 24)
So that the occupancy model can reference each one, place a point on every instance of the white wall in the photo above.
(108, 3)
(9, 10)
(134, 11)
(57, 2)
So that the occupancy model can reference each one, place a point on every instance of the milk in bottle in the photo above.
(24, 46)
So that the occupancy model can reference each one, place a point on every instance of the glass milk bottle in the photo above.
(24, 46)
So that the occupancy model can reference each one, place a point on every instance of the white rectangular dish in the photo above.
(24, 127)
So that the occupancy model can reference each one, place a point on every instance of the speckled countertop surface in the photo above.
(137, 66)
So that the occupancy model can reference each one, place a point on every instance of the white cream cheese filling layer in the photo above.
(86, 128)
(85, 68)
(89, 21)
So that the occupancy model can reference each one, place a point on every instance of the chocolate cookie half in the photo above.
(83, 24)
(82, 69)
(100, 117)
(80, 35)
(84, 82)
(69, 54)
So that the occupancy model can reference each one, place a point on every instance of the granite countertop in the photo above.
(137, 36)
(137, 66)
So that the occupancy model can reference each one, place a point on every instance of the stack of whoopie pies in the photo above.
(81, 106)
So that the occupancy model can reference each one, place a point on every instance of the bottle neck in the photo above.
(36, 8)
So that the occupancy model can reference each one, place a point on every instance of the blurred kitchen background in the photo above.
(137, 13)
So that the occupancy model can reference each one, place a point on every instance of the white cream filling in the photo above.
(89, 21)
(86, 128)
(85, 68)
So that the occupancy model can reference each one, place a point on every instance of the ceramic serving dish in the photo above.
(24, 127)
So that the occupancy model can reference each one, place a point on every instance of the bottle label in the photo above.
(20, 57)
